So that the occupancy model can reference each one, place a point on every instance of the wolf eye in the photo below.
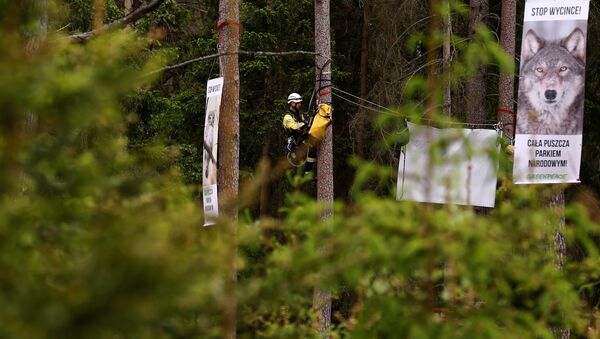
(564, 68)
(539, 70)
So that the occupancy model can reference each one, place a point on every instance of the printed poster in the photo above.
(449, 166)
(214, 90)
(549, 128)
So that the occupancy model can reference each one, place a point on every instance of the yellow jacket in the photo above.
(292, 122)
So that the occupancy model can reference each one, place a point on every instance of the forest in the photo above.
(103, 111)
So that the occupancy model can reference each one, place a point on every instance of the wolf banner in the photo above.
(551, 92)
(214, 89)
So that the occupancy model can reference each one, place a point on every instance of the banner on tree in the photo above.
(214, 89)
(449, 166)
(549, 126)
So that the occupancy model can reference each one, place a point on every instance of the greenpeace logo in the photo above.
(546, 176)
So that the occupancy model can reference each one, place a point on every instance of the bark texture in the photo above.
(447, 59)
(362, 115)
(229, 122)
(506, 84)
(559, 245)
(322, 299)
(476, 86)
(229, 143)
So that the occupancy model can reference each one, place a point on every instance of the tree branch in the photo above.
(212, 56)
(122, 22)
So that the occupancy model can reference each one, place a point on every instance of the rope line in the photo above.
(386, 110)
(360, 105)
(359, 98)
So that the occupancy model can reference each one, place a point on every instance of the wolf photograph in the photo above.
(210, 163)
(551, 85)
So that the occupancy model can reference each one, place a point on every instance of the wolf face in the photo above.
(551, 85)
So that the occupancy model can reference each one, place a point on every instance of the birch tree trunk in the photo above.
(229, 139)
(476, 86)
(322, 299)
(506, 84)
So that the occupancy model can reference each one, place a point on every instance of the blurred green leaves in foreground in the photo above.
(102, 241)
(97, 240)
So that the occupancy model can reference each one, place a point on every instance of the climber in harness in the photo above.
(297, 128)
(304, 135)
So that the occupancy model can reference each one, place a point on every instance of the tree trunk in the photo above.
(30, 124)
(229, 122)
(98, 22)
(506, 84)
(476, 86)
(559, 245)
(37, 35)
(362, 114)
(128, 6)
(322, 299)
(447, 28)
(229, 139)
(432, 104)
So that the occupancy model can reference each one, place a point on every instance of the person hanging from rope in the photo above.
(297, 128)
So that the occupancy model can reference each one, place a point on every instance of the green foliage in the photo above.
(421, 270)
(80, 14)
(170, 15)
(97, 241)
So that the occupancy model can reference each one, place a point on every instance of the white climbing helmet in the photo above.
(294, 97)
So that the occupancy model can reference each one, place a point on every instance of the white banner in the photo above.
(449, 166)
(214, 90)
(549, 125)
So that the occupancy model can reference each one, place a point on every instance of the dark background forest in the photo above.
(172, 109)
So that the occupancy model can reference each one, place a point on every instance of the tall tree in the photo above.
(128, 7)
(362, 114)
(446, 57)
(506, 83)
(557, 203)
(506, 117)
(39, 31)
(229, 139)
(476, 86)
(35, 36)
(322, 299)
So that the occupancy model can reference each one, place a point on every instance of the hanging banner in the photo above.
(214, 89)
(449, 166)
(548, 134)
